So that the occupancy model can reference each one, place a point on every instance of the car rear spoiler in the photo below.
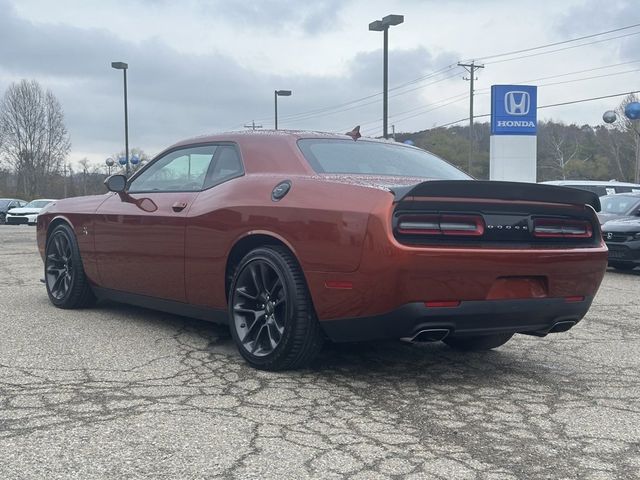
(516, 191)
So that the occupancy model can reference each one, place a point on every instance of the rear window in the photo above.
(373, 158)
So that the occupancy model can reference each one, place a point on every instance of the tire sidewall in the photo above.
(65, 230)
(274, 260)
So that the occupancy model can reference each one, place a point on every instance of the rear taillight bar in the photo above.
(561, 228)
(460, 225)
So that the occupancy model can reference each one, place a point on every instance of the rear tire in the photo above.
(67, 285)
(623, 266)
(478, 342)
(271, 316)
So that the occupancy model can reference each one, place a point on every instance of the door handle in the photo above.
(179, 206)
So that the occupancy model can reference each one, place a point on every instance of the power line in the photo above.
(562, 49)
(514, 52)
(335, 110)
(604, 67)
(332, 111)
(329, 110)
(252, 125)
(543, 85)
(571, 102)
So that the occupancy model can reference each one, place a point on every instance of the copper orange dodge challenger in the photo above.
(294, 237)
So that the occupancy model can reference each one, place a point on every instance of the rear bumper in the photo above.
(534, 316)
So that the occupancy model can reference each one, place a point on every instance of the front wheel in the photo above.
(271, 316)
(67, 284)
(478, 342)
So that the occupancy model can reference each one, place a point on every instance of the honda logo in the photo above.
(517, 102)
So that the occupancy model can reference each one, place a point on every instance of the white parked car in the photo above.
(28, 214)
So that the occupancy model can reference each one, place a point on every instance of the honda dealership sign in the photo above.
(513, 133)
(513, 110)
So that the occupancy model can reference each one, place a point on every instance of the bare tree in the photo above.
(631, 128)
(564, 145)
(33, 138)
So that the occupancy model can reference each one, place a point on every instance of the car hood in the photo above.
(24, 211)
(628, 224)
(607, 217)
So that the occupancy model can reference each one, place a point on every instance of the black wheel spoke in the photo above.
(59, 266)
(255, 277)
(259, 318)
(277, 283)
(243, 293)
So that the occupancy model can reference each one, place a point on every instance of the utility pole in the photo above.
(253, 125)
(471, 69)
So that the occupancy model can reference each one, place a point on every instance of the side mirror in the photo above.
(116, 183)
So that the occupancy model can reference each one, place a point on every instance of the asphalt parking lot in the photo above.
(123, 392)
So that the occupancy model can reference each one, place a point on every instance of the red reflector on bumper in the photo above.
(441, 304)
(576, 298)
(338, 284)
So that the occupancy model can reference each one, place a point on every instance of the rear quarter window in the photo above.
(336, 156)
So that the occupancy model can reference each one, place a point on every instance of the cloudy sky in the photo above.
(199, 66)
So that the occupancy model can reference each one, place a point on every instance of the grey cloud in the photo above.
(599, 15)
(313, 17)
(173, 95)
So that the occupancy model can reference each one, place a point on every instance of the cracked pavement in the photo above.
(118, 391)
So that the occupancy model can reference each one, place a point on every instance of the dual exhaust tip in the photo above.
(438, 334)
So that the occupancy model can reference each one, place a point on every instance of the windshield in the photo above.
(37, 204)
(375, 158)
(618, 204)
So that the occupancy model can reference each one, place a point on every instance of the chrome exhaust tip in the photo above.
(562, 326)
(427, 335)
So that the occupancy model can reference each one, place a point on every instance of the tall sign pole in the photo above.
(513, 144)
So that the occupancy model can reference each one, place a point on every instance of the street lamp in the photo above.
(123, 66)
(276, 94)
(632, 112)
(383, 26)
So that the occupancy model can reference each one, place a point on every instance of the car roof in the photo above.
(43, 200)
(272, 136)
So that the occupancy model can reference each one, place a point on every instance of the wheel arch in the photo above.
(245, 244)
(59, 220)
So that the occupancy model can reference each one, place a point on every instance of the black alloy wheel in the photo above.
(271, 317)
(259, 308)
(66, 282)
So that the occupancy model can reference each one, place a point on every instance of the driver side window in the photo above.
(182, 170)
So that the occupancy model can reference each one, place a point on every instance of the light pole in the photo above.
(383, 26)
(276, 94)
(632, 112)
(123, 66)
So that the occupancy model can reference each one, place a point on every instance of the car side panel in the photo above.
(77, 212)
(324, 224)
